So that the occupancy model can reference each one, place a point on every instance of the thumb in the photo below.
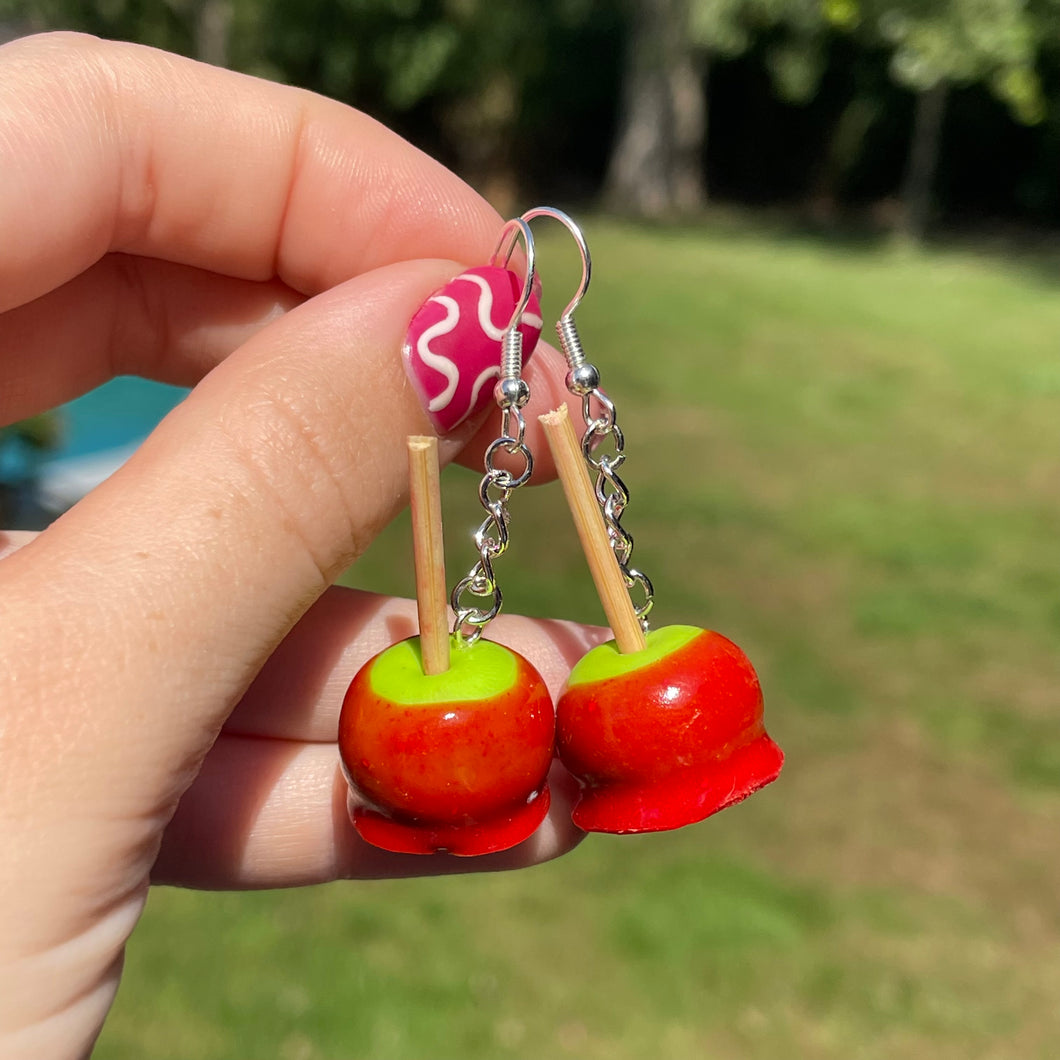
(172, 582)
(131, 627)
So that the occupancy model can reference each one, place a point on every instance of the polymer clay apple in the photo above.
(446, 742)
(660, 729)
(666, 735)
(455, 761)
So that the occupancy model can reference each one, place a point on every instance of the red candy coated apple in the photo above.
(452, 762)
(666, 736)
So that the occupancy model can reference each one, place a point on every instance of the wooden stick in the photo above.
(581, 499)
(426, 501)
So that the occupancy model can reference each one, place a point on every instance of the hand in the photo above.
(172, 639)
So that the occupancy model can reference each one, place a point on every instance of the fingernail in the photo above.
(452, 350)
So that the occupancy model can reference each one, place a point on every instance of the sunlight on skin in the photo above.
(149, 230)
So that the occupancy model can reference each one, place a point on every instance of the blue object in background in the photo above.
(100, 431)
(112, 416)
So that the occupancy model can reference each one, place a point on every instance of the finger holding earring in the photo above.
(448, 751)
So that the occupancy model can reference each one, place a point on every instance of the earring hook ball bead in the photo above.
(511, 393)
(583, 380)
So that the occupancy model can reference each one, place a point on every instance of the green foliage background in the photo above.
(526, 96)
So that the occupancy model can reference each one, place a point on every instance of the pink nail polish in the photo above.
(452, 350)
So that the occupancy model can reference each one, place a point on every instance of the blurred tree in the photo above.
(937, 45)
(212, 27)
(456, 70)
(201, 28)
(460, 66)
(122, 19)
(851, 118)
(657, 164)
(536, 97)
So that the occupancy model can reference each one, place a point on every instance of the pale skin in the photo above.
(174, 638)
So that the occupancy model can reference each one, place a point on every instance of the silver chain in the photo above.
(491, 538)
(476, 599)
(604, 450)
(603, 444)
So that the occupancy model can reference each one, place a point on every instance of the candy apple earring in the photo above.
(603, 443)
(662, 728)
(446, 741)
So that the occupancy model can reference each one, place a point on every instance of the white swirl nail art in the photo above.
(453, 346)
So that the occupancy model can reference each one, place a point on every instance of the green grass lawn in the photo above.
(848, 460)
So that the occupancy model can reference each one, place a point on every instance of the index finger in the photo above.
(117, 147)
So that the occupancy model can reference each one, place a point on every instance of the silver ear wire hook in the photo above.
(511, 390)
(603, 444)
(575, 230)
(582, 377)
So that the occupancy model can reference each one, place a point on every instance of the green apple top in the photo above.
(606, 661)
(475, 673)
